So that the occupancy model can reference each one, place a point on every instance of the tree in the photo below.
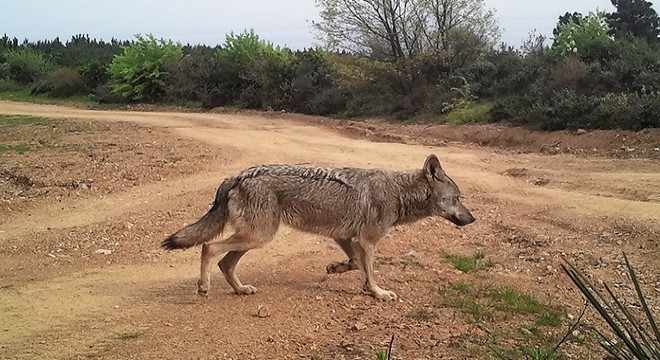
(575, 37)
(399, 29)
(635, 18)
(139, 72)
(575, 17)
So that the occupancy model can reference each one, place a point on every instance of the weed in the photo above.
(461, 286)
(468, 264)
(476, 310)
(549, 318)
(514, 301)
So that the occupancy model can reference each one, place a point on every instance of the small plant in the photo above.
(469, 264)
(635, 341)
(382, 355)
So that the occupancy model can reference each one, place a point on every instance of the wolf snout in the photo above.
(463, 220)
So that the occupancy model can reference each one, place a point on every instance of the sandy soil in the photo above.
(84, 209)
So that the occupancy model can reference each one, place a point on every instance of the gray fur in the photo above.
(354, 206)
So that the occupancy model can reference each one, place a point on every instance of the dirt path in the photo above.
(141, 303)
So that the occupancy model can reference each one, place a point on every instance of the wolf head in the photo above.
(445, 194)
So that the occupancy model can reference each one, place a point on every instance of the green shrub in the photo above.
(94, 74)
(26, 65)
(138, 74)
(9, 85)
(472, 114)
(65, 82)
(251, 72)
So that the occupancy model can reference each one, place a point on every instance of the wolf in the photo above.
(356, 207)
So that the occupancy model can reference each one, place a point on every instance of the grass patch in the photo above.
(516, 319)
(475, 113)
(12, 121)
(23, 95)
(491, 303)
(468, 264)
(549, 318)
(20, 148)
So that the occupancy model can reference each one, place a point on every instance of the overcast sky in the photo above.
(284, 22)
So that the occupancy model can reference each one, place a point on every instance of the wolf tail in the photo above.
(206, 228)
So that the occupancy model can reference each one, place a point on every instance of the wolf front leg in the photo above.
(365, 249)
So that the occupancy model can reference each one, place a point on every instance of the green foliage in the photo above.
(94, 74)
(634, 340)
(251, 72)
(9, 85)
(575, 36)
(61, 83)
(566, 109)
(138, 73)
(469, 264)
(26, 65)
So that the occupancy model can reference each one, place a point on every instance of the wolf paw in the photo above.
(246, 290)
(385, 295)
(340, 267)
(201, 290)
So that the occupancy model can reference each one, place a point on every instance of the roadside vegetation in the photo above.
(445, 64)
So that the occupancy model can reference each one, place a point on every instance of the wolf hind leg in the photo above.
(340, 267)
(237, 243)
(228, 266)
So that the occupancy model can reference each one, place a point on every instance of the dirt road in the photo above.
(60, 299)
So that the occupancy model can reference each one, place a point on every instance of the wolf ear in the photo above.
(433, 169)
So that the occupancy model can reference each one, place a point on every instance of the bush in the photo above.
(312, 88)
(251, 72)
(472, 114)
(26, 65)
(9, 85)
(187, 78)
(138, 74)
(566, 109)
(94, 74)
(65, 82)
(103, 94)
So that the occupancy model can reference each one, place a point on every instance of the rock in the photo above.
(358, 327)
(103, 252)
(263, 312)
(581, 131)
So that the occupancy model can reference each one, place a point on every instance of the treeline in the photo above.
(602, 71)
